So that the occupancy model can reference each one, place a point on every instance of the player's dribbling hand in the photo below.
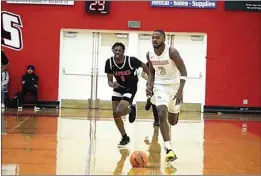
(115, 85)
(149, 91)
(179, 97)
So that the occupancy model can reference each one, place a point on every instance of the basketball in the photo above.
(139, 159)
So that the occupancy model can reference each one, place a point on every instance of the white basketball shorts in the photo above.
(164, 95)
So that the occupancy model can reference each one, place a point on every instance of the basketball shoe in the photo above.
(124, 141)
(170, 156)
(133, 113)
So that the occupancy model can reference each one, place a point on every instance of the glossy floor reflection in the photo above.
(29, 143)
(51, 144)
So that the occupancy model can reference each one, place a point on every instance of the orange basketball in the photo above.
(139, 159)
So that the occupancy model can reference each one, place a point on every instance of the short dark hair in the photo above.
(161, 32)
(118, 44)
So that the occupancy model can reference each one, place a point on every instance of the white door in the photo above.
(76, 64)
(105, 52)
(145, 45)
(193, 51)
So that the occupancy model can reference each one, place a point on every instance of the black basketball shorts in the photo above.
(126, 94)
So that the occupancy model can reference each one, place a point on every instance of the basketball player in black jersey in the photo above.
(124, 69)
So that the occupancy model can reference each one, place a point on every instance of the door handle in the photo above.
(200, 75)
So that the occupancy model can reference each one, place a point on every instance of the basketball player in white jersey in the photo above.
(166, 80)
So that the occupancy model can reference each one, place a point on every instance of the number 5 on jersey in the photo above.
(11, 31)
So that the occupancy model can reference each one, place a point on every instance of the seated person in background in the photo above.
(29, 81)
(4, 86)
(4, 61)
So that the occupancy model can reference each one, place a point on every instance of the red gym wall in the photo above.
(233, 51)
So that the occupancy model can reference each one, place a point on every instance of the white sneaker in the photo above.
(20, 108)
(3, 105)
(36, 108)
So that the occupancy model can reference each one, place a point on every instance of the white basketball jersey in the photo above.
(166, 71)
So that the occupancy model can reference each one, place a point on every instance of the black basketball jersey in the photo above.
(125, 73)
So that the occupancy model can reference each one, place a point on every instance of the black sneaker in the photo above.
(156, 121)
(133, 113)
(148, 105)
(124, 141)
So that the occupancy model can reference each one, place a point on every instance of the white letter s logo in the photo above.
(11, 31)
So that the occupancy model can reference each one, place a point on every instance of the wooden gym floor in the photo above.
(85, 142)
